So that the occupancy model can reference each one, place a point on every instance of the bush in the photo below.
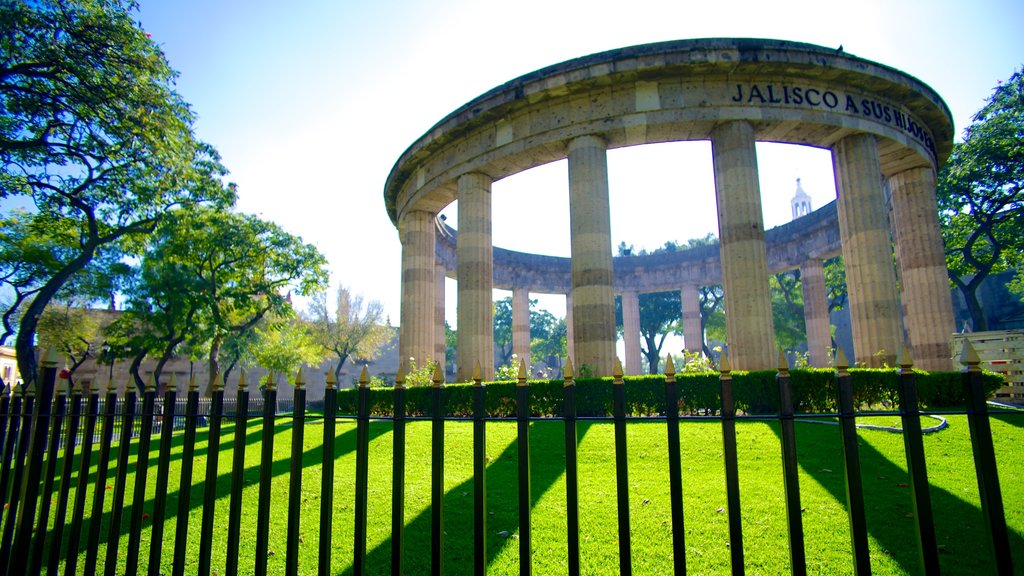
(814, 391)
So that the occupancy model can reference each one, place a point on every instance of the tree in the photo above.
(72, 329)
(351, 329)
(282, 347)
(980, 193)
(712, 315)
(211, 275)
(835, 283)
(788, 309)
(547, 338)
(92, 135)
(543, 327)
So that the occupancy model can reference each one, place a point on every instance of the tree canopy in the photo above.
(980, 193)
(352, 329)
(94, 140)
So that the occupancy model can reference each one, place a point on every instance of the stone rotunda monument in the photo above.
(882, 126)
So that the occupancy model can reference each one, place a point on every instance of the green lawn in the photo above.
(954, 496)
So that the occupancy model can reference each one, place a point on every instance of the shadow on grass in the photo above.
(1012, 418)
(964, 545)
(345, 443)
(502, 486)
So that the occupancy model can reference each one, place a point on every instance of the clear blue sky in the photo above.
(310, 103)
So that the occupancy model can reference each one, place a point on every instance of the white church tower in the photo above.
(801, 202)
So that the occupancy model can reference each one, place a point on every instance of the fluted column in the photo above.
(819, 333)
(748, 304)
(926, 297)
(440, 344)
(693, 335)
(418, 234)
(570, 341)
(631, 332)
(521, 324)
(867, 252)
(474, 313)
(592, 273)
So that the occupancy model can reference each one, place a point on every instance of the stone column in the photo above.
(867, 253)
(748, 304)
(819, 329)
(440, 345)
(592, 273)
(692, 333)
(418, 233)
(521, 325)
(926, 297)
(475, 339)
(570, 342)
(631, 332)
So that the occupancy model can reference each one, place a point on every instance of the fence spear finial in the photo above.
(172, 383)
(567, 374)
(477, 374)
(364, 377)
(783, 362)
(723, 365)
(331, 381)
(218, 383)
(841, 362)
(400, 376)
(617, 372)
(300, 380)
(670, 367)
(150, 384)
(192, 383)
(969, 356)
(906, 361)
(242, 383)
(438, 378)
(521, 377)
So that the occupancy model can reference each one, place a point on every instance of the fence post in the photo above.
(117, 510)
(523, 445)
(362, 470)
(572, 491)
(38, 543)
(732, 474)
(327, 475)
(78, 512)
(851, 469)
(398, 474)
(29, 494)
(621, 469)
(985, 459)
(210, 485)
(479, 474)
(163, 463)
(24, 437)
(291, 558)
(6, 391)
(237, 476)
(141, 469)
(790, 470)
(266, 475)
(675, 468)
(17, 394)
(100, 488)
(188, 450)
(437, 474)
(64, 490)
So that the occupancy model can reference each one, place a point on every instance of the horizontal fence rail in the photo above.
(51, 438)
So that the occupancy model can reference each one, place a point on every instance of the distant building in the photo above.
(801, 202)
(8, 366)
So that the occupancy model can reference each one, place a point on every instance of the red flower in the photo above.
(64, 373)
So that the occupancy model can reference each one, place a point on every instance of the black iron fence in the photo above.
(37, 429)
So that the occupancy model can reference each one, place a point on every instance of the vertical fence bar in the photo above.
(913, 444)
(117, 510)
(985, 459)
(163, 463)
(291, 559)
(398, 475)
(5, 412)
(53, 447)
(210, 485)
(20, 458)
(523, 445)
(675, 468)
(100, 488)
(327, 476)
(362, 470)
(141, 469)
(16, 397)
(82, 486)
(29, 494)
(732, 473)
(64, 489)
(621, 469)
(266, 463)
(851, 470)
(479, 474)
(790, 470)
(437, 474)
(188, 450)
(237, 477)
(572, 492)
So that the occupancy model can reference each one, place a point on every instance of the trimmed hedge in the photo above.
(814, 391)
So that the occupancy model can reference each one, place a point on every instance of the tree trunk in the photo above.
(214, 358)
(979, 322)
(164, 358)
(133, 369)
(338, 366)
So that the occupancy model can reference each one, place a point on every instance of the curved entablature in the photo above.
(815, 236)
(673, 91)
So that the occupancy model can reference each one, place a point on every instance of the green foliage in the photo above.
(835, 283)
(509, 371)
(980, 192)
(284, 347)
(814, 391)
(419, 376)
(547, 333)
(350, 329)
(788, 309)
(93, 136)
